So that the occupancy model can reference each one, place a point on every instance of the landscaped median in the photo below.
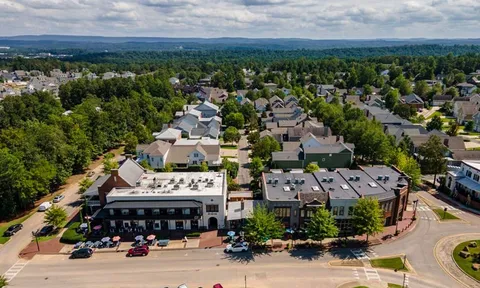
(71, 236)
(396, 263)
(444, 215)
(467, 257)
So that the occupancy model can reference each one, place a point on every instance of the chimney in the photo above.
(445, 142)
(170, 124)
(114, 172)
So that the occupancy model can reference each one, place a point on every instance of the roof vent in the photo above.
(297, 180)
(387, 177)
(357, 177)
(302, 181)
(315, 188)
(288, 180)
(286, 189)
(292, 187)
(371, 184)
(275, 180)
(380, 177)
(330, 179)
(351, 178)
(344, 187)
(269, 180)
(324, 179)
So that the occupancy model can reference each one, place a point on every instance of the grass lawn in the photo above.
(391, 285)
(53, 235)
(231, 147)
(389, 263)
(436, 113)
(448, 216)
(466, 264)
(4, 226)
(360, 287)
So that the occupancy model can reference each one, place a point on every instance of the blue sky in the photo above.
(316, 19)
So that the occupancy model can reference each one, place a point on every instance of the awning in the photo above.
(470, 184)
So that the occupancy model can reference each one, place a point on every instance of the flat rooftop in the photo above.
(361, 182)
(384, 176)
(285, 186)
(335, 185)
(473, 164)
(160, 185)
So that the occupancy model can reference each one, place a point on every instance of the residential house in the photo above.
(261, 104)
(169, 135)
(185, 153)
(466, 89)
(128, 74)
(465, 111)
(156, 153)
(271, 86)
(413, 100)
(109, 75)
(323, 90)
(213, 94)
(174, 80)
(440, 100)
(353, 99)
(276, 102)
(375, 101)
(463, 182)
(474, 80)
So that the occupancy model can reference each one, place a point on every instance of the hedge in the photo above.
(71, 236)
(193, 234)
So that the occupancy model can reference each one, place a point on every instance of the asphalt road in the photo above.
(9, 252)
(197, 268)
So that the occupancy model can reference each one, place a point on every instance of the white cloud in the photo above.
(244, 18)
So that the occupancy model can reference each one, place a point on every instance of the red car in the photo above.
(138, 251)
(218, 286)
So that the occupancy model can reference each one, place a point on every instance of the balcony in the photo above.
(152, 217)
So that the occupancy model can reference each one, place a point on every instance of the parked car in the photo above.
(182, 286)
(82, 253)
(138, 251)
(44, 206)
(58, 198)
(90, 173)
(12, 230)
(237, 247)
(218, 285)
(46, 230)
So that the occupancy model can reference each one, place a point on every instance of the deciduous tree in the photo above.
(367, 217)
(231, 135)
(55, 216)
(262, 226)
(311, 167)
(432, 156)
(435, 124)
(322, 225)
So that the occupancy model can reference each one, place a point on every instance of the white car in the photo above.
(58, 198)
(237, 247)
(44, 206)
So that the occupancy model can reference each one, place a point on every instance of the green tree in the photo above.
(144, 163)
(131, 142)
(3, 280)
(452, 91)
(404, 110)
(168, 167)
(408, 165)
(229, 107)
(453, 128)
(322, 225)
(109, 163)
(264, 148)
(204, 167)
(403, 85)
(231, 135)
(262, 225)
(391, 99)
(367, 217)
(447, 108)
(460, 78)
(235, 120)
(468, 126)
(432, 157)
(311, 167)
(435, 124)
(421, 89)
(256, 168)
(253, 137)
(85, 184)
(55, 216)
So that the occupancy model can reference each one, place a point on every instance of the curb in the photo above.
(456, 203)
(431, 205)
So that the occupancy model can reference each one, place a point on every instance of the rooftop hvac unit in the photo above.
(324, 179)
(357, 177)
(138, 183)
(302, 181)
(176, 187)
(387, 177)
(181, 181)
(330, 179)
(192, 180)
(380, 177)
(288, 180)
(269, 180)
(296, 180)
(292, 187)
(351, 178)
(275, 180)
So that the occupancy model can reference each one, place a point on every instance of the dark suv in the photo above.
(46, 230)
(12, 230)
(82, 253)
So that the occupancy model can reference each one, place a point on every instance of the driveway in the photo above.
(243, 160)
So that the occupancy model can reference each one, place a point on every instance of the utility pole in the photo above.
(36, 240)
(245, 281)
(444, 212)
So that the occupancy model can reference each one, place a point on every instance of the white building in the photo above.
(169, 201)
(464, 181)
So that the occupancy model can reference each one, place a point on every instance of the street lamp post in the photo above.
(415, 202)
(36, 240)
(444, 212)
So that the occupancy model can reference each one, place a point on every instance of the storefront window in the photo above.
(186, 211)
(171, 211)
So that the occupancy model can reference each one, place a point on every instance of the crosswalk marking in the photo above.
(423, 208)
(360, 254)
(15, 269)
(406, 280)
(372, 274)
(449, 207)
(428, 219)
(355, 273)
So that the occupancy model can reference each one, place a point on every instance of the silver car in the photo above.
(58, 198)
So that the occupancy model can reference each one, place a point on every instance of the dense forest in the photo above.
(40, 146)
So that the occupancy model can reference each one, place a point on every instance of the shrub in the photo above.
(193, 234)
(71, 236)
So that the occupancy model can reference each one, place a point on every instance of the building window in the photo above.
(140, 212)
(282, 212)
(341, 211)
(186, 211)
(309, 213)
(475, 177)
(194, 225)
(302, 213)
(125, 212)
(335, 211)
(112, 212)
(195, 155)
(170, 211)
(194, 163)
(179, 225)
(469, 173)
(156, 212)
(350, 211)
(212, 208)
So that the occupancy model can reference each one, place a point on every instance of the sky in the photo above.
(315, 19)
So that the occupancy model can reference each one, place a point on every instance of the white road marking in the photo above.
(423, 208)
(406, 280)
(372, 274)
(359, 254)
(449, 207)
(15, 269)
(355, 273)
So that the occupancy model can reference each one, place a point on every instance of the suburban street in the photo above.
(305, 268)
(9, 252)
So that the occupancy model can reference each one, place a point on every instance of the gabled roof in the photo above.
(208, 104)
(466, 155)
(261, 102)
(130, 171)
(442, 98)
(274, 99)
(287, 123)
(169, 134)
(413, 99)
(157, 148)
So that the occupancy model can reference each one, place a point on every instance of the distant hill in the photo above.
(112, 44)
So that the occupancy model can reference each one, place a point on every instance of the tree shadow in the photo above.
(246, 257)
(307, 254)
(342, 254)
(75, 204)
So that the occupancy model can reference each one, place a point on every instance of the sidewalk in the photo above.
(452, 201)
